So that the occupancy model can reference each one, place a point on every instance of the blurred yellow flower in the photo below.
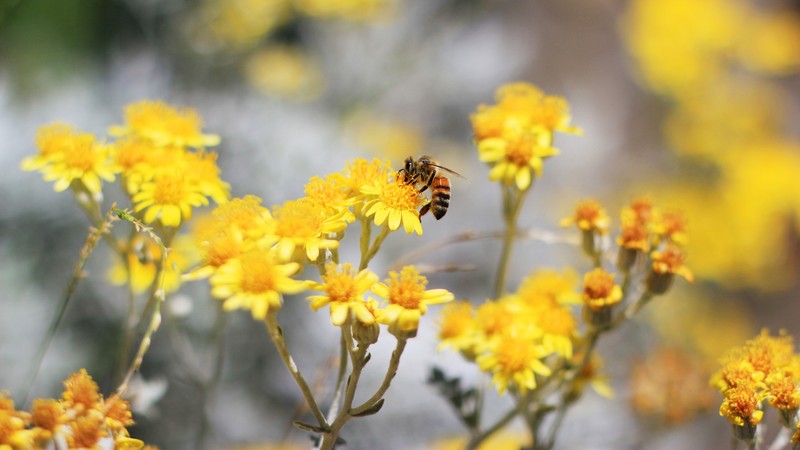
(67, 156)
(169, 197)
(589, 216)
(599, 290)
(163, 124)
(514, 359)
(516, 159)
(286, 72)
(457, 327)
(143, 258)
(385, 137)
(356, 10)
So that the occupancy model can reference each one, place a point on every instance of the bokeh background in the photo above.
(692, 103)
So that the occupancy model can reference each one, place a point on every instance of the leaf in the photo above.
(372, 409)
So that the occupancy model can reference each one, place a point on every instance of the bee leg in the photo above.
(428, 182)
(424, 210)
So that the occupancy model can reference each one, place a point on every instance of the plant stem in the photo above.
(341, 376)
(373, 250)
(512, 205)
(391, 371)
(276, 334)
(345, 413)
(95, 233)
(478, 438)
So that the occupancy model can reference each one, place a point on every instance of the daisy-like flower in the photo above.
(255, 281)
(407, 299)
(741, 405)
(169, 197)
(143, 258)
(514, 359)
(394, 203)
(666, 264)
(588, 216)
(203, 168)
(330, 195)
(232, 228)
(164, 125)
(600, 295)
(67, 156)
(302, 224)
(517, 158)
(457, 327)
(344, 292)
(599, 290)
(359, 173)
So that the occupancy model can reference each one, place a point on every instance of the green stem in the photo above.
(276, 334)
(512, 205)
(373, 250)
(345, 413)
(341, 376)
(478, 438)
(391, 371)
(103, 228)
(366, 232)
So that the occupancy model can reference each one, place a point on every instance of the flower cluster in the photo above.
(763, 372)
(81, 418)
(718, 64)
(251, 252)
(515, 135)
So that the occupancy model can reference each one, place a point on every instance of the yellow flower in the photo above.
(330, 195)
(671, 225)
(48, 414)
(741, 405)
(589, 216)
(137, 159)
(81, 392)
(344, 292)
(514, 359)
(232, 228)
(408, 299)
(164, 125)
(360, 172)
(202, 167)
(169, 198)
(599, 290)
(666, 264)
(286, 72)
(394, 203)
(517, 159)
(551, 285)
(457, 327)
(67, 157)
(255, 281)
(356, 10)
(493, 317)
(144, 256)
(302, 224)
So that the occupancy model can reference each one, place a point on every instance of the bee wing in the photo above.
(450, 171)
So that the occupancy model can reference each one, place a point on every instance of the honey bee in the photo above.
(426, 173)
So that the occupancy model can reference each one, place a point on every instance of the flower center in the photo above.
(406, 290)
(520, 150)
(298, 219)
(340, 287)
(401, 196)
(258, 274)
(598, 284)
(81, 154)
(514, 354)
(170, 188)
(557, 320)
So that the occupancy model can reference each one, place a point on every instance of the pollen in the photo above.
(341, 285)
(299, 219)
(557, 320)
(118, 413)
(47, 414)
(171, 188)
(258, 273)
(520, 150)
(407, 288)
(86, 431)
(515, 353)
(740, 404)
(81, 390)
(401, 196)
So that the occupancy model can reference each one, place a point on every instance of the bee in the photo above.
(426, 173)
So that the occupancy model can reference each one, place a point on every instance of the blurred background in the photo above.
(692, 103)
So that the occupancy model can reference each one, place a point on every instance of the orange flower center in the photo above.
(340, 286)
(258, 273)
(298, 219)
(170, 188)
(520, 150)
(407, 289)
(598, 284)
(514, 354)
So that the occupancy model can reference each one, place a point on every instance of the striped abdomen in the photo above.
(440, 196)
